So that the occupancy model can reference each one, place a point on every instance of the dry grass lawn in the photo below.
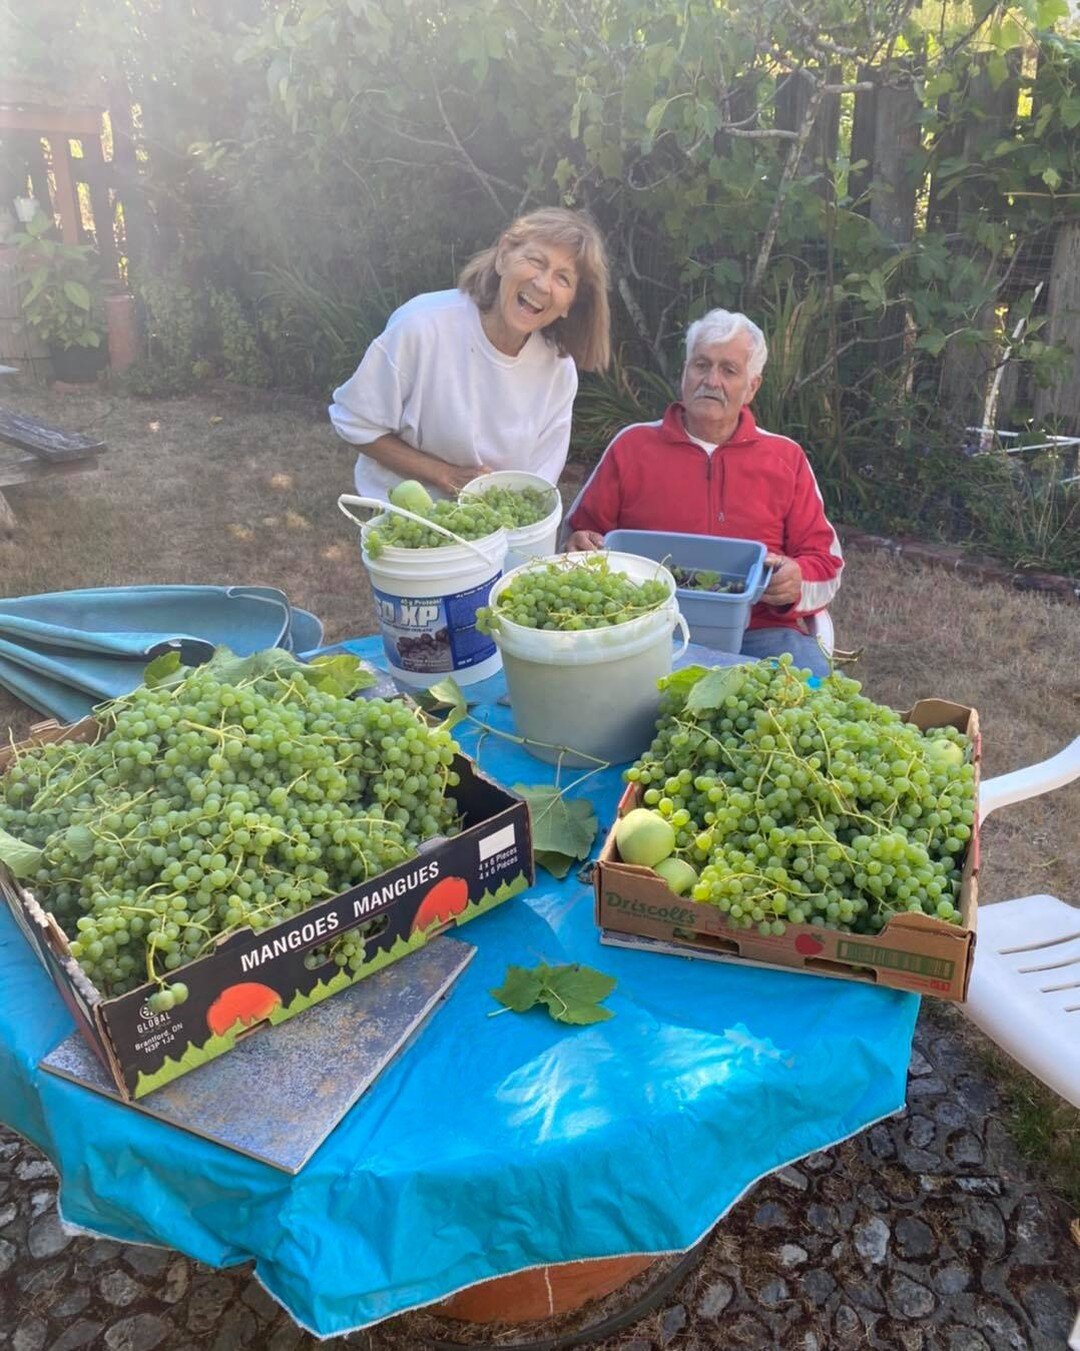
(232, 487)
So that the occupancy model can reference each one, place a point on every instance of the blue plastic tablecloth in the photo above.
(492, 1144)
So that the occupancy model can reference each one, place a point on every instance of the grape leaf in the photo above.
(713, 688)
(445, 694)
(160, 669)
(681, 682)
(558, 865)
(571, 994)
(21, 859)
(562, 828)
(520, 990)
(580, 984)
(341, 675)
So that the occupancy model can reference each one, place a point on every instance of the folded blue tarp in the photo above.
(66, 651)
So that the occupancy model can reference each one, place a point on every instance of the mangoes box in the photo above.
(251, 979)
(636, 908)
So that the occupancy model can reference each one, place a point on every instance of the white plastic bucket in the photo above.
(526, 541)
(590, 690)
(427, 600)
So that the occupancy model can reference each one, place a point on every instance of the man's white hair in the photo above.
(719, 326)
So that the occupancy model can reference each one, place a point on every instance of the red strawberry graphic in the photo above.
(808, 946)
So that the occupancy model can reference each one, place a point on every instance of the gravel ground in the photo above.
(925, 1232)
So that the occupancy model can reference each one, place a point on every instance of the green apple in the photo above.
(644, 837)
(947, 751)
(411, 495)
(677, 873)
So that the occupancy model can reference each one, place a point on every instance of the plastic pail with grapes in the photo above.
(590, 690)
(523, 541)
(426, 601)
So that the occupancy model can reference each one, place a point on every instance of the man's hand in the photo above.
(785, 588)
(582, 541)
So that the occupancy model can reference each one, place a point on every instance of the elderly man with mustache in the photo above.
(707, 468)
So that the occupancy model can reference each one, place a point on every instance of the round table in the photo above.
(491, 1145)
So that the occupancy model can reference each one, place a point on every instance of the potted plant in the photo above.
(61, 303)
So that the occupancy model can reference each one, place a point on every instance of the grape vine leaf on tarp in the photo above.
(571, 994)
(563, 829)
(21, 859)
(448, 694)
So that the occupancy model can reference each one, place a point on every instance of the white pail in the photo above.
(526, 541)
(426, 601)
(590, 690)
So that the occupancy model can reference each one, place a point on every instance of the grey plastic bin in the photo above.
(716, 620)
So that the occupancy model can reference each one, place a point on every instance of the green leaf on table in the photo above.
(446, 694)
(520, 990)
(21, 859)
(558, 865)
(563, 829)
(682, 681)
(340, 675)
(713, 688)
(571, 994)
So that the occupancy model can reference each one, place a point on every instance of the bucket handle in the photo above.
(376, 504)
(680, 623)
(762, 586)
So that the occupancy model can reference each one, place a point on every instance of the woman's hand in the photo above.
(392, 453)
(583, 541)
(451, 478)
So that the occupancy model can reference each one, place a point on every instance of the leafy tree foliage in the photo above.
(320, 160)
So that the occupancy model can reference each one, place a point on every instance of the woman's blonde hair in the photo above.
(585, 333)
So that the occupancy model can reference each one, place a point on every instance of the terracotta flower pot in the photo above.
(542, 1292)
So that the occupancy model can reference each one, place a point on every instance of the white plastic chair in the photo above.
(1024, 991)
(821, 628)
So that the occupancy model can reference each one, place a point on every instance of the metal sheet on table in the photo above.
(315, 1065)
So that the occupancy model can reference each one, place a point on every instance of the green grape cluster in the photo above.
(470, 518)
(210, 806)
(808, 805)
(346, 951)
(571, 594)
(518, 507)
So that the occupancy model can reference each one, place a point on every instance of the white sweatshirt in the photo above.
(433, 378)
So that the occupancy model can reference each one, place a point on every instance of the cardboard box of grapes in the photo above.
(248, 979)
(913, 951)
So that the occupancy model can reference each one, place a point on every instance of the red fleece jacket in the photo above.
(756, 486)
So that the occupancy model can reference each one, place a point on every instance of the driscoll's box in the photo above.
(251, 979)
(912, 952)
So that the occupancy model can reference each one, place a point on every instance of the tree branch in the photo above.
(791, 165)
(474, 168)
(637, 315)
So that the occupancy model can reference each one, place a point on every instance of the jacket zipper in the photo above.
(716, 499)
